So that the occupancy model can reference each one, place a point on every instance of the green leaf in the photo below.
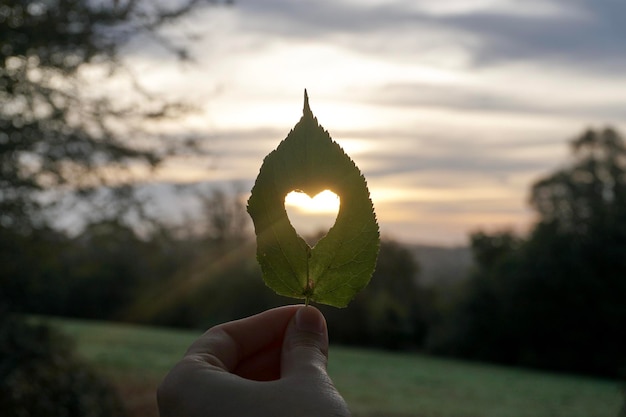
(342, 262)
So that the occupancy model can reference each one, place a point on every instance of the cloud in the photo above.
(612, 106)
(462, 161)
(586, 34)
(593, 37)
(323, 17)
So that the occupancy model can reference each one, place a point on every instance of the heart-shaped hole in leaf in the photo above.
(312, 217)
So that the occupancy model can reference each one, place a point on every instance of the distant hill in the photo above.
(442, 265)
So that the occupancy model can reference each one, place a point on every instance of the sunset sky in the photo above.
(451, 108)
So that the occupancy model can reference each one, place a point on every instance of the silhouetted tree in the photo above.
(575, 260)
(556, 299)
(480, 323)
(62, 130)
(588, 196)
(59, 125)
(225, 217)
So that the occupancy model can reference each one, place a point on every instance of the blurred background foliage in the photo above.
(553, 299)
(63, 133)
(41, 375)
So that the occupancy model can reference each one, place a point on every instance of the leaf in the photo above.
(342, 262)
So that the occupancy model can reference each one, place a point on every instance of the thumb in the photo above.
(305, 345)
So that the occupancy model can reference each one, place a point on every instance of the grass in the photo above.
(373, 383)
(384, 384)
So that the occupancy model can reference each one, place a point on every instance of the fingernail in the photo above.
(308, 319)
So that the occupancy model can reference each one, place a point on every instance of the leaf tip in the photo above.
(306, 109)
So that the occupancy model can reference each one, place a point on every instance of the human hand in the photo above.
(272, 364)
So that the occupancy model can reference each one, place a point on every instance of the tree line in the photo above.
(179, 279)
(553, 299)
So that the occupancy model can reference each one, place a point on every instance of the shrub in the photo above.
(40, 375)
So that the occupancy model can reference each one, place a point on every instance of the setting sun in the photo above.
(324, 202)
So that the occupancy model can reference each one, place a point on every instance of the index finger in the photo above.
(232, 342)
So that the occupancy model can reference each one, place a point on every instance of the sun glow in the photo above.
(324, 202)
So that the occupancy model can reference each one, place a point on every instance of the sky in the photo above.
(450, 108)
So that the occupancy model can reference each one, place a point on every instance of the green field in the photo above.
(373, 383)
